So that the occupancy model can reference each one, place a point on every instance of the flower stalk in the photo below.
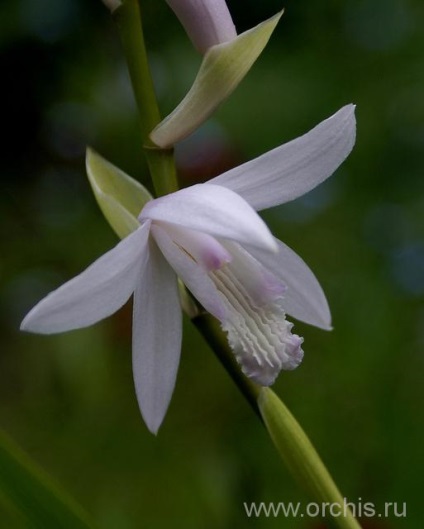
(160, 161)
(210, 329)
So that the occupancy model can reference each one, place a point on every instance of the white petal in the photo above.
(214, 210)
(294, 168)
(94, 294)
(157, 330)
(304, 298)
(207, 22)
(194, 276)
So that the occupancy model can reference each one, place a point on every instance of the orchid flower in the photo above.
(210, 236)
(227, 58)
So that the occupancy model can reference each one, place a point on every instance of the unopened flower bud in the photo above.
(207, 22)
(112, 4)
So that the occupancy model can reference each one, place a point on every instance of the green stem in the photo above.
(291, 441)
(161, 162)
(213, 335)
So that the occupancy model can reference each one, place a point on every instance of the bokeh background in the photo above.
(68, 400)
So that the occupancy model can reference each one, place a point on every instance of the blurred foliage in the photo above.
(40, 503)
(69, 399)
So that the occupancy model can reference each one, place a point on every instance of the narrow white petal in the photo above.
(193, 274)
(96, 293)
(207, 22)
(304, 298)
(157, 330)
(294, 168)
(214, 210)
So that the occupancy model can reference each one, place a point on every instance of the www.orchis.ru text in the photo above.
(359, 509)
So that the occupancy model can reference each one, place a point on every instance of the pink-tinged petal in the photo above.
(96, 293)
(157, 331)
(207, 251)
(293, 169)
(207, 22)
(304, 298)
(261, 285)
(194, 275)
(214, 210)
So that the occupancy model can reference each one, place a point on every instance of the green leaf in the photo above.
(222, 69)
(40, 502)
(120, 197)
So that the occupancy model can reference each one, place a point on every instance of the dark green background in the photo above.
(68, 400)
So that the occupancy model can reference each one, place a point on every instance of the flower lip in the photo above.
(258, 331)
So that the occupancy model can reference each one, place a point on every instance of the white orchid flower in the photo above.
(211, 237)
(227, 58)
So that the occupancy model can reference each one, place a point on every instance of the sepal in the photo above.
(120, 197)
